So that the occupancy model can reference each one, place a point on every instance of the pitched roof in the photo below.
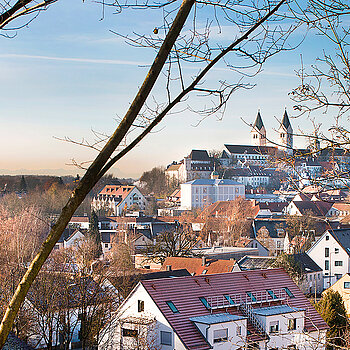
(307, 264)
(255, 262)
(197, 154)
(343, 238)
(258, 124)
(173, 167)
(317, 208)
(195, 265)
(185, 292)
(117, 190)
(243, 149)
(285, 120)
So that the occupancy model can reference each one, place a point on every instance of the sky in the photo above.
(67, 74)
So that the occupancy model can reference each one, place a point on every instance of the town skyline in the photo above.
(72, 75)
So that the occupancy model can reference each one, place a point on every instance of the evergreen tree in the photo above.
(23, 185)
(94, 233)
(331, 308)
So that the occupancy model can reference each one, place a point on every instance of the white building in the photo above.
(202, 192)
(116, 199)
(332, 253)
(260, 309)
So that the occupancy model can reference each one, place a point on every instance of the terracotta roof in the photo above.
(173, 167)
(195, 267)
(79, 219)
(185, 292)
(116, 190)
(342, 206)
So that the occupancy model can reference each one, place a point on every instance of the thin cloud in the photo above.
(79, 60)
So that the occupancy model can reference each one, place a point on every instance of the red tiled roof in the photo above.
(194, 265)
(185, 292)
(79, 219)
(117, 190)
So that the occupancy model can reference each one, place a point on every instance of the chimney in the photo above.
(168, 267)
(203, 261)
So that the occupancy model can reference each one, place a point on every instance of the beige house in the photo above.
(342, 286)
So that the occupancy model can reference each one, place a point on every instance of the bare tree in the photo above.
(261, 41)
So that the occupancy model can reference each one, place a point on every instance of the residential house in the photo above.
(342, 286)
(202, 192)
(197, 165)
(269, 209)
(339, 210)
(332, 253)
(271, 233)
(258, 309)
(117, 199)
(312, 207)
(313, 277)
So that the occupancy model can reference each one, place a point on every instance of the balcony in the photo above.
(250, 298)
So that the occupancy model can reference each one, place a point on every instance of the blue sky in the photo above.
(67, 74)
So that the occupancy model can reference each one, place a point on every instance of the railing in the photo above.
(249, 298)
(247, 311)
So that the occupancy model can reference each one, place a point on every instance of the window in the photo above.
(289, 293)
(251, 296)
(140, 305)
(239, 330)
(106, 245)
(165, 338)
(271, 294)
(327, 238)
(204, 272)
(326, 252)
(274, 326)
(205, 302)
(336, 250)
(130, 333)
(338, 276)
(220, 335)
(326, 265)
(292, 324)
(346, 285)
(172, 307)
(338, 263)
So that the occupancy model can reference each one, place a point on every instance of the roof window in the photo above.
(271, 293)
(172, 307)
(289, 293)
(205, 302)
(251, 296)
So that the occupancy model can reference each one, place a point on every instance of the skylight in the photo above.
(205, 302)
(229, 299)
(289, 293)
(172, 307)
(271, 294)
(251, 296)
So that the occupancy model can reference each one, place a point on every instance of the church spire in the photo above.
(258, 132)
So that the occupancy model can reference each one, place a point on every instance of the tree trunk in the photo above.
(93, 174)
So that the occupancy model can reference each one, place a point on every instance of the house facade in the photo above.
(332, 253)
(261, 309)
(202, 192)
(116, 199)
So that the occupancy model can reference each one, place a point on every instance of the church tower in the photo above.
(285, 131)
(258, 132)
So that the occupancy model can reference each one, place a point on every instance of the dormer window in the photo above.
(274, 326)
(220, 335)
